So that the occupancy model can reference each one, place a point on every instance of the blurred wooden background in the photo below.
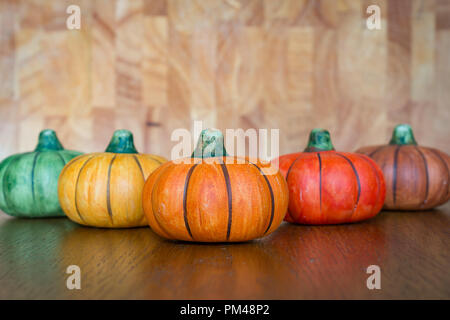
(156, 65)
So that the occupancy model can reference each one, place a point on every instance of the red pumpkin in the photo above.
(329, 187)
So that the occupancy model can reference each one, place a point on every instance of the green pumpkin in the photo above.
(29, 181)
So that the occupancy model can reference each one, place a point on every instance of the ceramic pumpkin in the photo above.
(28, 181)
(213, 197)
(417, 178)
(330, 187)
(105, 189)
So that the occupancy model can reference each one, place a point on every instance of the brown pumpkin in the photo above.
(417, 178)
(213, 197)
(105, 189)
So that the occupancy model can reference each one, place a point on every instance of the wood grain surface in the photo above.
(295, 262)
(156, 65)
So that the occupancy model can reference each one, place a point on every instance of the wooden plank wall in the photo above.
(156, 65)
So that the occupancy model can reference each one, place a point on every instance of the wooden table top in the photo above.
(295, 262)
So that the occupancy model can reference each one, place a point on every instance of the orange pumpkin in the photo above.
(212, 197)
(329, 187)
(417, 177)
(105, 189)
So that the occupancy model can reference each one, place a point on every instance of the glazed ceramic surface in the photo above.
(28, 181)
(213, 197)
(330, 187)
(417, 177)
(105, 189)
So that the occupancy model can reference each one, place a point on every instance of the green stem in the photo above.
(319, 140)
(48, 141)
(121, 142)
(403, 135)
(210, 144)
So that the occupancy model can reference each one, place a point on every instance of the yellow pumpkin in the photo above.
(105, 189)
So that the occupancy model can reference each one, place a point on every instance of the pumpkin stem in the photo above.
(403, 135)
(122, 142)
(48, 141)
(319, 140)
(210, 144)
